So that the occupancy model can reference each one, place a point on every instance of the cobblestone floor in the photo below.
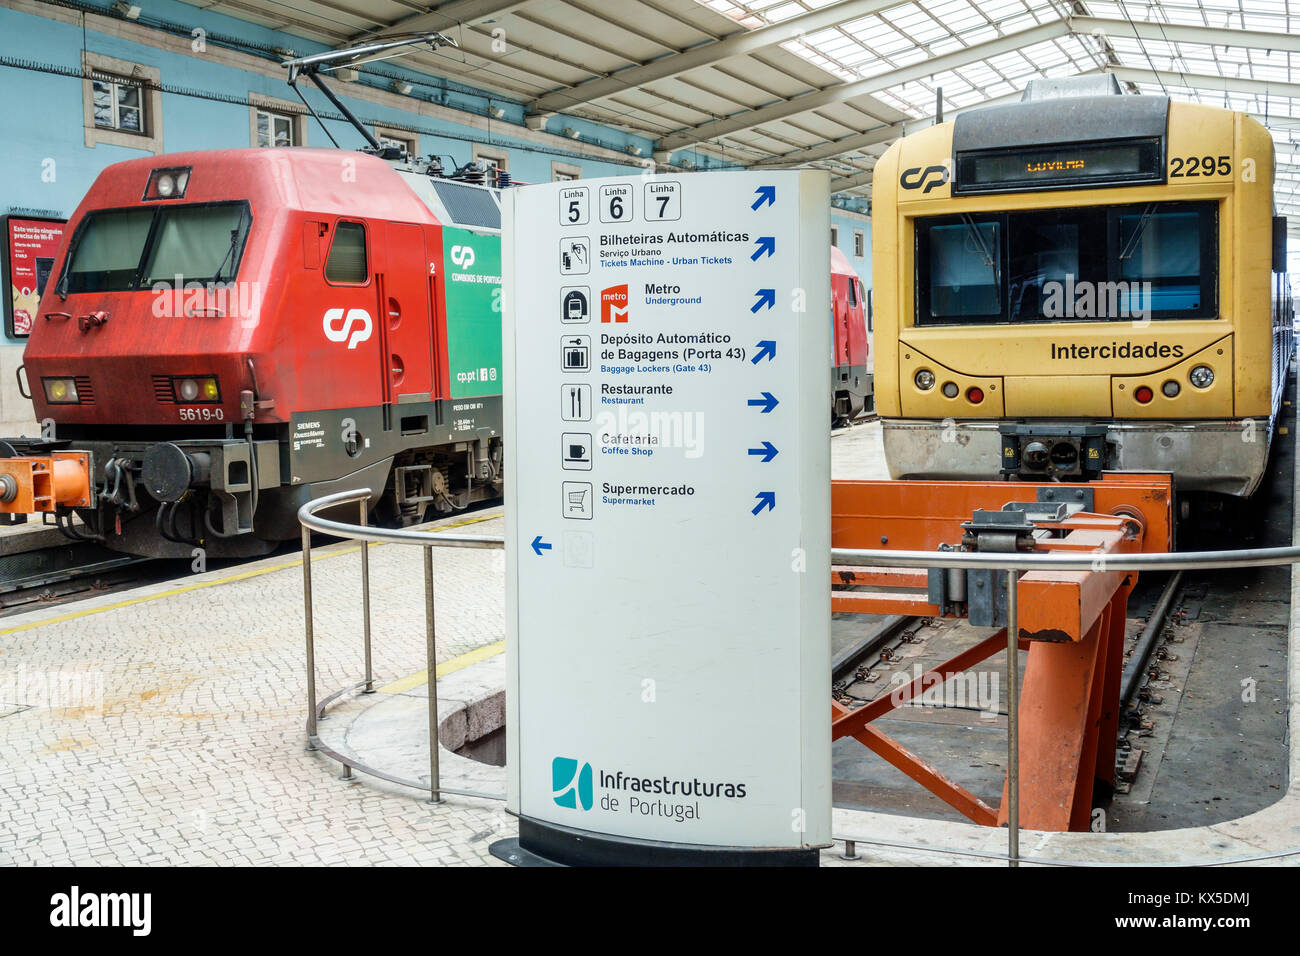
(166, 725)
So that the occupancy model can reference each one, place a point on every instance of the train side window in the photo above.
(347, 259)
(853, 293)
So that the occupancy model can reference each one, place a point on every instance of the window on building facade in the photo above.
(119, 104)
(275, 129)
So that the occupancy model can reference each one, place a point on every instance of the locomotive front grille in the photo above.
(162, 390)
(85, 393)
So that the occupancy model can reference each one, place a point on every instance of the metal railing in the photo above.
(366, 534)
(1010, 563)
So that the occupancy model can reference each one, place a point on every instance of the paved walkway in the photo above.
(166, 725)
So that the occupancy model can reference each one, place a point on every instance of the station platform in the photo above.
(29, 536)
(165, 725)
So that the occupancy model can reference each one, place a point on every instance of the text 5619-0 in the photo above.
(202, 414)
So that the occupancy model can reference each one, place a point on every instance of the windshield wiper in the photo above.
(234, 244)
(1131, 246)
(974, 231)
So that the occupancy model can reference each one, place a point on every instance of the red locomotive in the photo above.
(851, 375)
(226, 335)
(231, 333)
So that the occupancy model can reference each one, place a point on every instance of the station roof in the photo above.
(830, 83)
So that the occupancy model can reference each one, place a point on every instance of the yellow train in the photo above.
(1081, 282)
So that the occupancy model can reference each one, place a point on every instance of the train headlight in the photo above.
(1171, 389)
(196, 388)
(950, 389)
(167, 183)
(1202, 376)
(61, 391)
(924, 379)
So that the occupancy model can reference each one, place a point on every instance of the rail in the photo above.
(1012, 564)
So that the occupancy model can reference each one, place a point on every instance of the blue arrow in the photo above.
(766, 299)
(767, 402)
(766, 194)
(766, 349)
(768, 451)
(539, 545)
(766, 244)
(766, 499)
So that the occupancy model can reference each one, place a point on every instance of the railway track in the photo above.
(60, 573)
(890, 648)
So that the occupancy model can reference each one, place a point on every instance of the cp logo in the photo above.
(336, 332)
(930, 177)
(463, 256)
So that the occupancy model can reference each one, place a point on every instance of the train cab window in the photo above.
(853, 293)
(1167, 249)
(960, 270)
(106, 251)
(347, 259)
(1082, 263)
(197, 243)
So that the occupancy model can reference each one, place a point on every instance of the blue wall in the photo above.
(47, 166)
(847, 226)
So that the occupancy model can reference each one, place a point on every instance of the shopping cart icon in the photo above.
(577, 500)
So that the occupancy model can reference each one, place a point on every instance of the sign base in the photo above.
(548, 844)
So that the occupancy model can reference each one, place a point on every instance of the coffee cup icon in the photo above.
(575, 449)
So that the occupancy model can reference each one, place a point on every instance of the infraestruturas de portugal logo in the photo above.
(571, 783)
(573, 786)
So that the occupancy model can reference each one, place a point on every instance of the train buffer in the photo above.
(40, 484)
(1070, 622)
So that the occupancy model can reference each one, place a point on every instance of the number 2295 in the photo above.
(1199, 166)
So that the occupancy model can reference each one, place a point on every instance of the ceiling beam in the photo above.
(837, 147)
(871, 137)
(1178, 33)
(852, 182)
(706, 54)
(1207, 84)
(690, 136)
(444, 16)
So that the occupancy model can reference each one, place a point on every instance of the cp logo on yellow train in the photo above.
(930, 177)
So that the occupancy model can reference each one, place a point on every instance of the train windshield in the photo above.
(120, 250)
(1147, 260)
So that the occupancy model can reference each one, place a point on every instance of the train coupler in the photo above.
(1053, 450)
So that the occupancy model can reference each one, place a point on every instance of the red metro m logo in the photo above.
(613, 304)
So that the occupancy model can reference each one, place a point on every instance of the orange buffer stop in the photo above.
(1071, 622)
(39, 484)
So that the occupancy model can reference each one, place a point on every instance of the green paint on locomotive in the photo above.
(471, 269)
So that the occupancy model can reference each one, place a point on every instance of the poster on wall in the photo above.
(30, 245)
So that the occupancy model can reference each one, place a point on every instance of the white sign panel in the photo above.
(668, 506)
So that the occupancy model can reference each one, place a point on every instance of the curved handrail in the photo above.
(311, 521)
(853, 557)
(308, 518)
